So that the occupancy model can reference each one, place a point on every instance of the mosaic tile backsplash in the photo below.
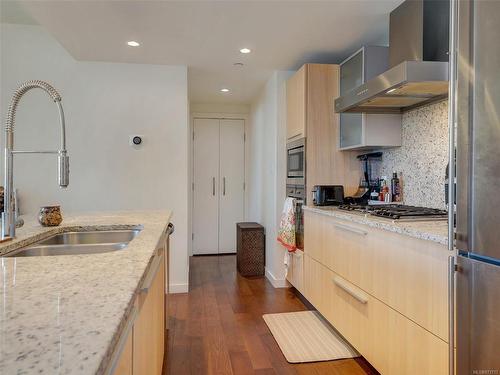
(421, 160)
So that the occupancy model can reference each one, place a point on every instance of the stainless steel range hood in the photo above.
(407, 85)
(419, 62)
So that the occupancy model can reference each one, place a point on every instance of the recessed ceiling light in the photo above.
(245, 50)
(224, 90)
(238, 64)
(133, 43)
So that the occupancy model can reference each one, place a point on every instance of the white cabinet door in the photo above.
(206, 186)
(232, 179)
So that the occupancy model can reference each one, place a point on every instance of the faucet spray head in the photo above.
(63, 169)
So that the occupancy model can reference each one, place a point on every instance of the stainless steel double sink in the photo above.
(91, 242)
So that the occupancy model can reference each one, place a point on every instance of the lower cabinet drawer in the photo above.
(405, 273)
(392, 343)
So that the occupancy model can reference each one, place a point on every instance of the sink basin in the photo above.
(71, 243)
(94, 237)
(32, 251)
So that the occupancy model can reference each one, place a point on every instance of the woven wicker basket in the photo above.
(251, 254)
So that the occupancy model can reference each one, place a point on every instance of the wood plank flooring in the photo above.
(217, 328)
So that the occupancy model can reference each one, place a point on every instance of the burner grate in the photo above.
(398, 212)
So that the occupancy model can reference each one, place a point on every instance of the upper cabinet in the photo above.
(310, 92)
(364, 131)
(360, 131)
(352, 71)
(296, 105)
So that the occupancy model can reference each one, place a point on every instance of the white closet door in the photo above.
(206, 186)
(232, 179)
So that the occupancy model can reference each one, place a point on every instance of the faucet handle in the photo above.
(63, 169)
(16, 203)
(19, 221)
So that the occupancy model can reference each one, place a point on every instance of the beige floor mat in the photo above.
(304, 336)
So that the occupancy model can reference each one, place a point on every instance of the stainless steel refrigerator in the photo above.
(478, 188)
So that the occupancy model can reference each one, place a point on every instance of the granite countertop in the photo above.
(436, 231)
(63, 314)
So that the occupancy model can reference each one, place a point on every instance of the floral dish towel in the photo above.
(286, 231)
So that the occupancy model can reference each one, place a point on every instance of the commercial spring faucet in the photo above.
(8, 219)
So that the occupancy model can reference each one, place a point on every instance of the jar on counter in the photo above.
(50, 216)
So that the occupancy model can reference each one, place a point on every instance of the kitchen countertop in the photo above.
(436, 231)
(63, 314)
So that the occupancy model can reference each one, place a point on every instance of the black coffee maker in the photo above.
(366, 187)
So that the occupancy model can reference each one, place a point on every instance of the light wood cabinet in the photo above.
(296, 270)
(310, 93)
(313, 286)
(140, 349)
(406, 273)
(149, 327)
(124, 366)
(391, 342)
(385, 292)
(296, 105)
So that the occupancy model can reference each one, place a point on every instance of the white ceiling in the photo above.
(207, 35)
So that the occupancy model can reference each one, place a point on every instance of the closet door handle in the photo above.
(213, 186)
(223, 185)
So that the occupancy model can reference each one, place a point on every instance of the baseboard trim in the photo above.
(178, 288)
(277, 283)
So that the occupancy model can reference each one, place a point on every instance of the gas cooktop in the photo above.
(398, 212)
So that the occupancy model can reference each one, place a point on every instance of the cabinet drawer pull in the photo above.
(350, 229)
(346, 287)
(148, 281)
(115, 357)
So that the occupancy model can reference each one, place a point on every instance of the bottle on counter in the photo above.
(385, 194)
(381, 196)
(395, 187)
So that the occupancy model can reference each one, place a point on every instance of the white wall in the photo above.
(220, 108)
(104, 104)
(266, 169)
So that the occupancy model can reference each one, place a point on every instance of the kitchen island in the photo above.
(69, 313)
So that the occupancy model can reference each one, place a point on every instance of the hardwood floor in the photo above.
(217, 328)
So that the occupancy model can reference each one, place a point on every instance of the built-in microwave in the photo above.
(296, 162)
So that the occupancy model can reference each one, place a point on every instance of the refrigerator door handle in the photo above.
(452, 122)
(451, 314)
